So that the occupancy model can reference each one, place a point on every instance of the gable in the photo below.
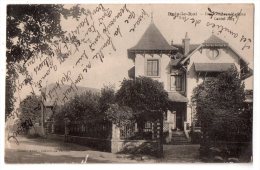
(214, 55)
(215, 42)
(225, 55)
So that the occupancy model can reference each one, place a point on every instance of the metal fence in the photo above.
(98, 129)
(128, 131)
(59, 127)
(103, 130)
(148, 131)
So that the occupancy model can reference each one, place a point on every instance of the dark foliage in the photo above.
(120, 115)
(145, 96)
(221, 111)
(220, 104)
(148, 149)
(84, 107)
(30, 108)
(107, 97)
(31, 29)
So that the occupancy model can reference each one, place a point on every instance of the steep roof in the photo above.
(152, 39)
(213, 40)
(58, 92)
(175, 62)
(181, 49)
(177, 97)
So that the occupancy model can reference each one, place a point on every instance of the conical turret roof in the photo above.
(152, 39)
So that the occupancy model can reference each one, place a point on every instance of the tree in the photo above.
(107, 97)
(30, 108)
(148, 100)
(219, 102)
(120, 115)
(31, 29)
(145, 96)
(84, 107)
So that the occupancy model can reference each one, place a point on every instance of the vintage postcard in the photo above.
(129, 83)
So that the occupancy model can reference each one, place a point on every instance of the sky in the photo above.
(116, 64)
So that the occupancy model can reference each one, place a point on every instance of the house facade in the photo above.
(181, 67)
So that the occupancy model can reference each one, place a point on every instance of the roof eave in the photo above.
(188, 56)
(249, 74)
(240, 57)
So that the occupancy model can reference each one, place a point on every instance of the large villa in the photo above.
(181, 67)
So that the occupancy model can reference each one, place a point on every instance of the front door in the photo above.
(179, 121)
(180, 112)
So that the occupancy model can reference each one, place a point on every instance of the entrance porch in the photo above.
(175, 121)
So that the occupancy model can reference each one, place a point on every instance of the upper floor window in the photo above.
(152, 67)
(177, 83)
(212, 54)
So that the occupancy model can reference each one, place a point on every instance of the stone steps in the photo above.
(179, 138)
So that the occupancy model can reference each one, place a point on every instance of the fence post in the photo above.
(52, 127)
(115, 139)
(66, 131)
(170, 132)
(161, 136)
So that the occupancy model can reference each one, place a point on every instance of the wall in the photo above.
(164, 75)
(115, 144)
(225, 56)
(171, 119)
(118, 145)
(36, 130)
(164, 60)
(100, 144)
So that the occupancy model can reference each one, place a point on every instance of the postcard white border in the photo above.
(188, 166)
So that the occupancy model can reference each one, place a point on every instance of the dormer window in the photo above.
(153, 67)
(212, 53)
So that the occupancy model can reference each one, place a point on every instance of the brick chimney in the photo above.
(186, 44)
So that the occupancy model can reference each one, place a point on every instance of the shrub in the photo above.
(220, 109)
(120, 115)
(145, 96)
(30, 108)
(107, 97)
(84, 107)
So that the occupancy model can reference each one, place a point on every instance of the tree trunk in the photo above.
(42, 117)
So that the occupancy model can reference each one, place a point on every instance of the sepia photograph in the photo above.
(129, 83)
